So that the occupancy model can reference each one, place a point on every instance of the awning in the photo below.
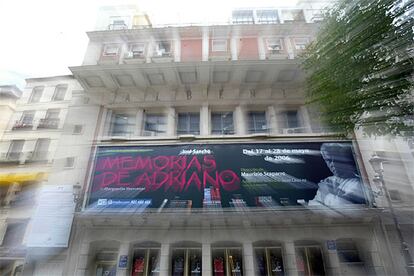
(8, 178)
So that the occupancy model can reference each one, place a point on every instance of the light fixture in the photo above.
(376, 163)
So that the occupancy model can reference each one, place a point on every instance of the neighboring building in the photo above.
(27, 153)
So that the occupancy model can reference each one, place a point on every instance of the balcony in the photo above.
(48, 123)
(134, 57)
(23, 125)
(162, 57)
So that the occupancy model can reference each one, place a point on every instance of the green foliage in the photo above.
(361, 67)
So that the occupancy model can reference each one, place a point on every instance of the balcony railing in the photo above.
(23, 125)
(134, 57)
(48, 123)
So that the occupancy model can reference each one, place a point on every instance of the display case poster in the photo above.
(262, 175)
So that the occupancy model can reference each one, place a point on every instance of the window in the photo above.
(188, 123)
(227, 261)
(60, 92)
(27, 117)
(15, 149)
(347, 251)
(292, 119)
(41, 149)
(395, 195)
(256, 122)
(222, 123)
(155, 125)
(219, 45)
(77, 129)
(293, 15)
(51, 119)
(137, 50)
(110, 50)
(267, 16)
(123, 124)
(186, 262)
(162, 49)
(274, 45)
(118, 23)
(69, 162)
(243, 17)
(300, 43)
(52, 114)
(268, 261)
(36, 94)
(14, 234)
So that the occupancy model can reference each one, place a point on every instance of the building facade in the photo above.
(190, 150)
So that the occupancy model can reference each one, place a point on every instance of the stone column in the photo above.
(305, 120)
(83, 266)
(205, 44)
(164, 259)
(123, 250)
(332, 265)
(289, 47)
(206, 259)
(204, 120)
(261, 47)
(239, 121)
(139, 122)
(290, 258)
(272, 120)
(170, 121)
(233, 47)
(248, 258)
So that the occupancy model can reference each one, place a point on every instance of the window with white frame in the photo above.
(15, 149)
(122, 124)
(41, 149)
(155, 125)
(162, 49)
(36, 94)
(136, 50)
(222, 123)
(300, 43)
(274, 45)
(219, 45)
(243, 17)
(60, 92)
(110, 50)
(256, 122)
(267, 16)
(27, 117)
(118, 22)
(188, 123)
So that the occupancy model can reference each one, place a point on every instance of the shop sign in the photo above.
(123, 261)
(331, 245)
(263, 175)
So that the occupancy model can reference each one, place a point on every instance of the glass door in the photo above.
(309, 261)
(227, 262)
(269, 261)
(186, 262)
(146, 262)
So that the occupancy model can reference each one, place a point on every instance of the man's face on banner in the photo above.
(339, 159)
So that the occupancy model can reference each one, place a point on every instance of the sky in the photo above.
(44, 37)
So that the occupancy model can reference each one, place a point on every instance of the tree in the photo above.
(361, 67)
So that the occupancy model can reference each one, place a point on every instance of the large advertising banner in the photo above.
(225, 175)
